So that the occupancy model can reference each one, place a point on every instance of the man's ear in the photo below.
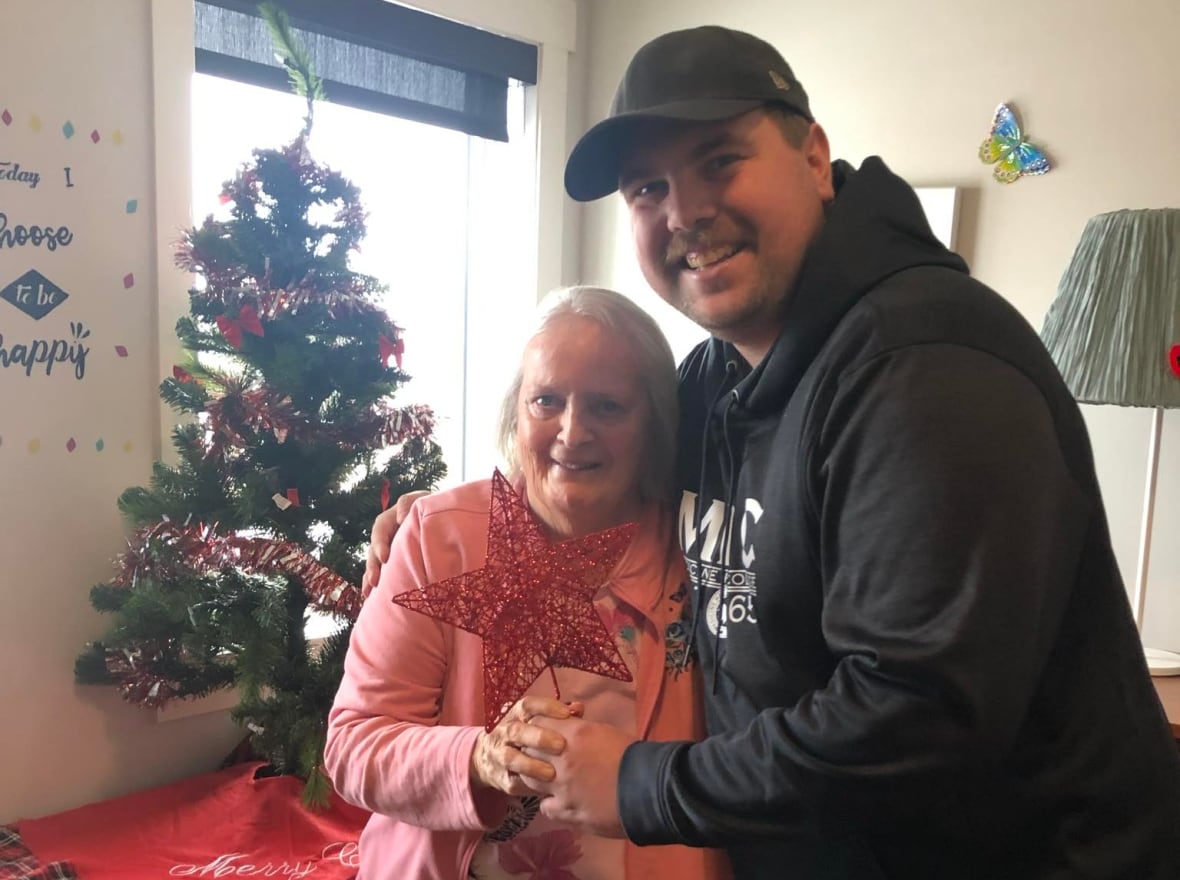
(819, 159)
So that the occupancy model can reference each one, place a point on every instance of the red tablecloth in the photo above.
(223, 824)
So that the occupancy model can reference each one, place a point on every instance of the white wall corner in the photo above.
(173, 63)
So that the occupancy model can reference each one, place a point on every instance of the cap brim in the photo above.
(592, 170)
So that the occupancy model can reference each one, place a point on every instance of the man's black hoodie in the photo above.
(918, 655)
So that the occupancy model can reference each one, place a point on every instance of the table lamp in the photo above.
(1114, 331)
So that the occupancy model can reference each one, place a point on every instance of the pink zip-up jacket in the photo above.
(410, 705)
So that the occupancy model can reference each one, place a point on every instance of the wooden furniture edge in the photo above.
(1168, 688)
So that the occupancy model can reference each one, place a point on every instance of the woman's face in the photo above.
(582, 423)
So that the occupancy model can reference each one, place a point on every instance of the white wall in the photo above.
(916, 81)
(120, 68)
(88, 64)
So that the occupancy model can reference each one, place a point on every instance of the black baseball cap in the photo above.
(700, 74)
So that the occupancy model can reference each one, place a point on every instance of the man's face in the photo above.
(722, 214)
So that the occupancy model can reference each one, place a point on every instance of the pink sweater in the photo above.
(410, 705)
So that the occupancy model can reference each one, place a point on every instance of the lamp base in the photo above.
(1162, 662)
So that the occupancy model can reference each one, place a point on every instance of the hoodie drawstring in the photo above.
(729, 494)
(731, 368)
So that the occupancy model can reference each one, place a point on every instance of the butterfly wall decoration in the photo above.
(1013, 155)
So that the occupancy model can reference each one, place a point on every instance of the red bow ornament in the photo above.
(247, 320)
(391, 348)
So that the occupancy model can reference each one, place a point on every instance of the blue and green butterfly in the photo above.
(1005, 145)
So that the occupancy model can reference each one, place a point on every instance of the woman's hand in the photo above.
(498, 760)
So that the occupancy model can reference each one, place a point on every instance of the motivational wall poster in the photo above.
(71, 242)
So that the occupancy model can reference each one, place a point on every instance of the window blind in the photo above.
(374, 55)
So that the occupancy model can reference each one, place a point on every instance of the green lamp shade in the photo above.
(1115, 321)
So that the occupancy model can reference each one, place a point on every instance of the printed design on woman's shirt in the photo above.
(545, 856)
(522, 812)
(623, 622)
(677, 656)
(717, 554)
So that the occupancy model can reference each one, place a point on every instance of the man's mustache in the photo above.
(686, 242)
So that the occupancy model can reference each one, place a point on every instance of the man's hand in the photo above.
(385, 526)
(584, 788)
(499, 758)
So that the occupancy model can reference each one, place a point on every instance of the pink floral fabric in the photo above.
(542, 857)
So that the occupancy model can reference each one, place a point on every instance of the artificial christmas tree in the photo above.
(293, 448)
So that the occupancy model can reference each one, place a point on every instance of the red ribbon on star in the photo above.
(391, 348)
(232, 328)
(532, 602)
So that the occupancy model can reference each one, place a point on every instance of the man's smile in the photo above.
(702, 258)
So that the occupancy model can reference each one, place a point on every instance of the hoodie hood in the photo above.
(874, 228)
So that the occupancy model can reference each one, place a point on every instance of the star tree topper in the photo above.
(532, 602)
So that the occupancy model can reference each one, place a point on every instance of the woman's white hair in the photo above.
(654, 363)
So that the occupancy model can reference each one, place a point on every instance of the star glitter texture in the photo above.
(532, 602)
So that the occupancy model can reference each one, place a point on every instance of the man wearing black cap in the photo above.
(918, 655)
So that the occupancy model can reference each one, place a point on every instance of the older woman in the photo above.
(586, 430)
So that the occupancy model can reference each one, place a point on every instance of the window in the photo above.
(375, 55)
(445, 212)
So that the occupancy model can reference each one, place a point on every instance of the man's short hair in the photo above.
(793, 126)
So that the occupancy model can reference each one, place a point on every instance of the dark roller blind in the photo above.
(377, 56)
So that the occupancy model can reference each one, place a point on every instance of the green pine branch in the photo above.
(294, 57)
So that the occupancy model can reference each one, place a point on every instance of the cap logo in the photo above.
(779, 83)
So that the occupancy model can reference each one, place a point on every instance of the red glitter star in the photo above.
(532, 602)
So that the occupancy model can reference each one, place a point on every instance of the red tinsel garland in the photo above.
(138, 683)
(241, 409)
(203, 551)
(165, 549)
(238, 410)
